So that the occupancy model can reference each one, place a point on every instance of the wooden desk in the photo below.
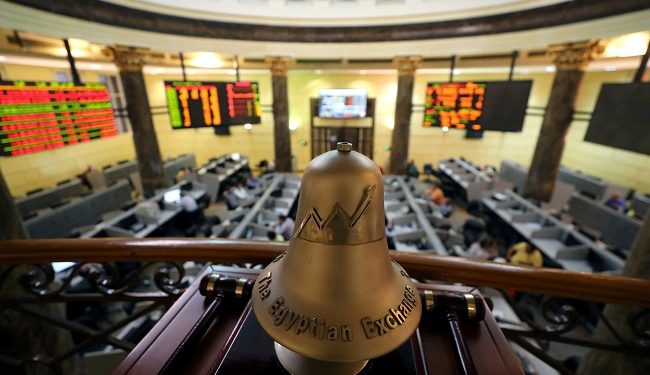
(235, 344)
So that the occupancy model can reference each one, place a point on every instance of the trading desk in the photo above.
(470, 181)
(235, 344)
(414, 231)
(49, 197)
(555, 239)
(214, 173)
(122, 225)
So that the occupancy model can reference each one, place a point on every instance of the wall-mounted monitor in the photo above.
(342, 103)
(38, 116)
(621, 118)
(199, 104)
(477, 106)
(505, 105)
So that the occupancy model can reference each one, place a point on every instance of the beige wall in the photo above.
(427, 145)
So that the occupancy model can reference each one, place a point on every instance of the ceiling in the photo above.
(332, 12)
(470, 40)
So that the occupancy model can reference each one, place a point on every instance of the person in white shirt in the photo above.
(188, 203)
(240, 191)
(484, 249)
(284, 226)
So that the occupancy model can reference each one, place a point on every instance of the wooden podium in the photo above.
(235, 344)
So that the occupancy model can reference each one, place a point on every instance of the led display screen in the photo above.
(454, 105)
(621, 118)
(342, 103)
(212, 104)
(38, 116)
(477, 106)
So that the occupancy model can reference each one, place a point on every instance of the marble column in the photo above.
(406, 67)
(129, 61)
(11, 224)
(598, 362)
(279, 66)
(570, 61)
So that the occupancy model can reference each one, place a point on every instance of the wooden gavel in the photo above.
(455, 308)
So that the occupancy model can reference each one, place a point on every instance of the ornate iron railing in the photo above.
(568, 306)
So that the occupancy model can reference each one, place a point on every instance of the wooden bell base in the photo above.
(235, 344)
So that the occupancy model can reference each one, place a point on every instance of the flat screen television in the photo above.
(342, 103)
(505, 105)
(621, 118)
(200, 104)
(477, 106)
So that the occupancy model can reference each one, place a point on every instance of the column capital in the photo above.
(127, 58)
(407, 65)
(574, 56)
(279, 65)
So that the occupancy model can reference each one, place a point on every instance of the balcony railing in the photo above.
(567, 305)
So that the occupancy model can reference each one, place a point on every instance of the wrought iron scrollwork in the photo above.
(104, 278)
(141, 288)
(640, 324)
(556, 319)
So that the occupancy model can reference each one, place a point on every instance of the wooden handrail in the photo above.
(579, 285)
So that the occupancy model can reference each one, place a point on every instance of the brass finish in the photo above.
(335, 296)
(429, 301)
(344, 146)
(471, 306)
(299, 364)
(239, 289)
(211, 283)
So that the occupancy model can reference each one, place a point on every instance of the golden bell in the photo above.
(335, 299)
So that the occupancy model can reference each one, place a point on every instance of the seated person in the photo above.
(274, 236)
(438, 198)
(192, 214)
(284, 226)
(524, 254)
(232, 201)
(412, 169)
(240, 191)
(83, 176)
(483, 249)
(184, 174)
(615, 202)
(252, 182)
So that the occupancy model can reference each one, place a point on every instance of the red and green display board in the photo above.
(212, 104)
(454, 105)
(477, 106)
(38, 116)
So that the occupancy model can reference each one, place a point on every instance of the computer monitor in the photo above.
(172, 196)
(62, 266)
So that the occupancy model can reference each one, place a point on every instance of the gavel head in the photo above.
(335, 299)
(468, 307)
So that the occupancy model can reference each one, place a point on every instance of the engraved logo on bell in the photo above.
(395, 317)
(306, 325)
(339, 227)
